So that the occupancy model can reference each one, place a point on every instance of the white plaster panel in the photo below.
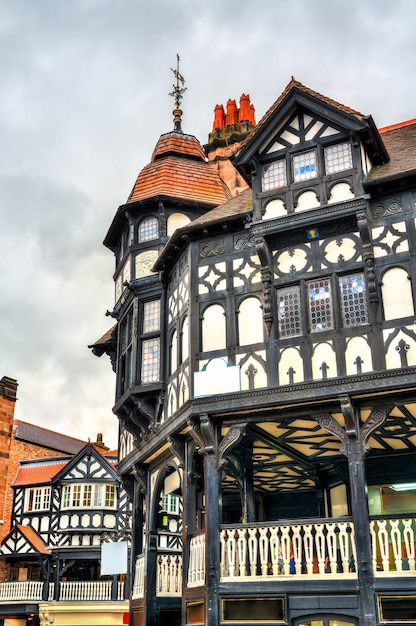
(340, 193)
(323, 352)
(358, 346)
(274, 208)
(218, 377)
(307, 200)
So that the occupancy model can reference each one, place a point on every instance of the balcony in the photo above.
(168, 575)
(321, 549)
(69, 591)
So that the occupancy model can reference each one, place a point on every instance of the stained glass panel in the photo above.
(353, 299)
(273, 175)
(304, 166)
(151, 316)
(150, 360)
(148, 229)
(320, 304)
(289, 311)
(338, 158)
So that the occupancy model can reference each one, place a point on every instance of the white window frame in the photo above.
(37, 499)
(88, 496)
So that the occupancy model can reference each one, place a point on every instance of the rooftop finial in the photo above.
(177, 93)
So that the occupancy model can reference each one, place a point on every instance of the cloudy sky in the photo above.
(84, 96)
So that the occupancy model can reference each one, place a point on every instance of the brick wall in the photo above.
(8, 390)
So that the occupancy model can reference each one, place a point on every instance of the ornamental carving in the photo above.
(212, 248)
(388, 207)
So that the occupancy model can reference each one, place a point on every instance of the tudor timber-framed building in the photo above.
(265, 353)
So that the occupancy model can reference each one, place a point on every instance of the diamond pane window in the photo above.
(304, 166)
(338, 158)
(151, 316)
(320, 304)
(273, 175)
(150, 360)
(353, 299)
(289, 311)
(148, 229)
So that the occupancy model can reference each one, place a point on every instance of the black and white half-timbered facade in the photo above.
(64, 509)
(265, 352)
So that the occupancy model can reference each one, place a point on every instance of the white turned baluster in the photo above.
(242, 551)
(344, 545)
(383, 542)
(297, 549)
(331, 539)
(396, 542)
(252, 550)
(264, 550)
(223, 550)
(320, 547)
(276, 551)
(231, 553)
(285, 539)
(373, 544)
(409, 542)
(308, 543)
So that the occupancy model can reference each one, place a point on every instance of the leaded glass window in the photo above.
(320, 304)
(289, 311)
(338, 158)
(151, 316)
(353, 299)
(273, 175)
(304, 166)
(148, 229)
(150, 360)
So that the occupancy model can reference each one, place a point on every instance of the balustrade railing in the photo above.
(77, 591)
(29, 590)
(138, 582)
(322, 548)
(393, 546)
(196, 571)
(169, 575)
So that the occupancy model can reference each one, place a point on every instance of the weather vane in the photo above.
(177, 93)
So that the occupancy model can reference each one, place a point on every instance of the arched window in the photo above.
(213, 328)
(250, 322)
(185, 340)
(174, 351)
(148, 229)
(396, 291)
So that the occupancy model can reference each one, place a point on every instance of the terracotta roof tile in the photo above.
(179, 144)
(33, 538)
(241, 204)
(400, 142)
(38, 473)
(182, 178)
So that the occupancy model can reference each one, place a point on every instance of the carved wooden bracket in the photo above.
(352, 428)
(140, 473)
(203, 431)
(177, 447)
(368, 255)
(229, 441)
(265, 257)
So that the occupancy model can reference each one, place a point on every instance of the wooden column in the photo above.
(205, 434)
(354, 438)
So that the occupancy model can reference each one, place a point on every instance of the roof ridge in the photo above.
(49, 430)
(386, 129)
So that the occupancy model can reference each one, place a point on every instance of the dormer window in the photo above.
(274, 175)
(306, 165)
(338, 158)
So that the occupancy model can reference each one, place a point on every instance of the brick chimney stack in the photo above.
(231, 126)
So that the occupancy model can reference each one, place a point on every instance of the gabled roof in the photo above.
(296, 94)
(23, 540)
(47, 438)
(90, 450)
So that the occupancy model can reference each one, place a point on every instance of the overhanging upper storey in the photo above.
(308, 151)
